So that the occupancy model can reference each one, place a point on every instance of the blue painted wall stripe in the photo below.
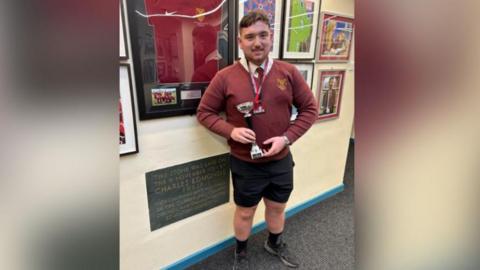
(208, 251)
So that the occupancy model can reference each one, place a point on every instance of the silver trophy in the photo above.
(246, 108)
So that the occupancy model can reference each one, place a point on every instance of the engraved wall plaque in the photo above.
(181, 191)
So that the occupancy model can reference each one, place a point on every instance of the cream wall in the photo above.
(320, 158)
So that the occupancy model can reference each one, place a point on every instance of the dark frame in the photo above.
(310, 55)
(310, 84)
(139, 29)
(124, 31)
(276, 51)
(133, 116)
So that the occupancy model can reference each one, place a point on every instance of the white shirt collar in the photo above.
(253, 67)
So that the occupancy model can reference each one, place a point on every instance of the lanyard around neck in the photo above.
(257, 89)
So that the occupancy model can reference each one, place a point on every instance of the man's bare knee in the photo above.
(246, 213)
(274, 208)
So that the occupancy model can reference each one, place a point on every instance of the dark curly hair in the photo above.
(252, 17)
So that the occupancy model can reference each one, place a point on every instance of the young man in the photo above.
(272, 86)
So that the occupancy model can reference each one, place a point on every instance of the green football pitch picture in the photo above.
(301, 22)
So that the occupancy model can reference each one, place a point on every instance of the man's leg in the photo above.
(274, 215)
(242, 225)
(275, 218)
(242, 221)
(248, 185)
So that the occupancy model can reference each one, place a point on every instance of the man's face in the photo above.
(255, 41)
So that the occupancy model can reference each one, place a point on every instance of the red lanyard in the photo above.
(257, 87)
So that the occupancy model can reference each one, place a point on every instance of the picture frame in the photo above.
(306, 69)
(274, 9)
(329, 93)
(123, 50)
(176, 50)
(336, 37)
(128, 142)
(300, 32)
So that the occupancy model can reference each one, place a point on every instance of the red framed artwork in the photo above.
(335, 38)
(329, 93)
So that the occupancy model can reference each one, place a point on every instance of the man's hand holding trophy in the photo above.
(246, 109)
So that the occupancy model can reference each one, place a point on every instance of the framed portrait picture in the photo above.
(335, 38)
(306, 69)
(329, 93)
(123, 51)
(128, 129)
(300, 33)
(177, 48)
(273, 8)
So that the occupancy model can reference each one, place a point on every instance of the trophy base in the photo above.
(256, 152)
(256, 155)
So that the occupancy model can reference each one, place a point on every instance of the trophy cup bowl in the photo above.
(246, 108)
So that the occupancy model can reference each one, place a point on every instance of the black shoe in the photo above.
(285, 256)
(240, 261)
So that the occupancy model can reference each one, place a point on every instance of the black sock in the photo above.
(274, 239)
(241, 246)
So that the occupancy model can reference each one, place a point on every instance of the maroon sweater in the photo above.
(283, 86)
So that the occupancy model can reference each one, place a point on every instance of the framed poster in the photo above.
(300, 33)
(273, 8)
(335, 38)
(123, 51)
(177, 48)
(306, 69)
(128, 129)
(329, 94)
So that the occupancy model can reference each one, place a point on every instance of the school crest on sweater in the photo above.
(282, 84)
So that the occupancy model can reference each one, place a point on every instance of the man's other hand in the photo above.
(278, 143)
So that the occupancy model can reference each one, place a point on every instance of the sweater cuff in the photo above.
(289, 137)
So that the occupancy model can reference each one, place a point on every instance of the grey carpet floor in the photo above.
(322, 236)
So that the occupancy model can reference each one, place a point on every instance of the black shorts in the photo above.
(252, 181)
